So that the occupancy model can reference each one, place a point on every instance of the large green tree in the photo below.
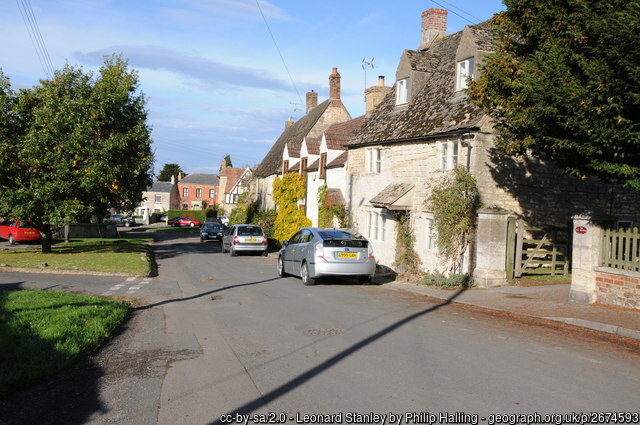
(73, 146)
(564, 84)
(168, 171)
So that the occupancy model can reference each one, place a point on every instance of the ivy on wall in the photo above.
(327, 215)
(454, 201)
(287, 191)
(407, 260)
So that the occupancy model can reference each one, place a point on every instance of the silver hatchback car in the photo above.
(313, 252)
(245, 238)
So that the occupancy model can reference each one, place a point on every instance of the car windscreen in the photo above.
(335, 234)
(211, 226)
(249, 231)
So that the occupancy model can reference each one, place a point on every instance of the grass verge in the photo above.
(130, 256)
(46, 331)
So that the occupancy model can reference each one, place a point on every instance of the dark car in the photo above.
(119, 220)
(245, 238)
(211, 231)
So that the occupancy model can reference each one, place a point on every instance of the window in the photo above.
(323, 164)
(402, 91)
(285, 166)
(377, 226)
(373, 157)
(303, 165)
(158, 199)
(198, 192)
(429, 235)
(212, 193)
(448, 155)
(185, 192)
(464, 71)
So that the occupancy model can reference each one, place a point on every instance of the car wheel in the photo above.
(265, 253)
(127, 224)
(304, 273)
(233, 252)
(364, 280)
(281, 272)
(201, 240)
(12, 240)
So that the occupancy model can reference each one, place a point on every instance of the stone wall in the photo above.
(618, 287)
(88, 230)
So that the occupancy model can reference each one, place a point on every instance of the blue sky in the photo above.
(212, 74)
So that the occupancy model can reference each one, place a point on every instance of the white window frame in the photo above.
(212, 193)
(449, 155)
(198, 192)
(185, 192)
(402, 91)
(464, 69)
(377, 226)
(374, 160)
(158, 199)
(429, 235)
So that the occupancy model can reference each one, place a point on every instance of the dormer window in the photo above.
(402, 91)
(464, 71)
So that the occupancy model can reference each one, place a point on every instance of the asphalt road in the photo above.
(224, 335)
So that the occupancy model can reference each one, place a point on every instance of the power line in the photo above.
(461, 10)
(30, 22)
(455, 13)
(279, 52)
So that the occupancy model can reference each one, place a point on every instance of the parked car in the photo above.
(183, 221)
(163, 218)
(211, 230)
(119, 220)
(223, 219)
(245, 238)
(314, 252)
(15, 231)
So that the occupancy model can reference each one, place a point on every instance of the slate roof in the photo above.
(294, 134)
(391, 194)
(338, 134)
(339, 161)
(434, 110)
(164, 187)
(201, 178)
(314, 166)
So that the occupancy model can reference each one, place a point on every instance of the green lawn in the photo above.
(43, 332)
(129, 255)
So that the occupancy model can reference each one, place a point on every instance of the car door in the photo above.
(289, 254)
(303, 247)
(227, 238)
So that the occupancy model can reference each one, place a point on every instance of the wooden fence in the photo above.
(620, 249)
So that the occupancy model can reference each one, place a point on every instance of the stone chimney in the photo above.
(374, 95)
(434, 25)
(288, 123)
(179, 175)
(173, 179)
(312, 100)
(334, 87)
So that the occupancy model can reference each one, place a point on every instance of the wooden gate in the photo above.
(537, 250)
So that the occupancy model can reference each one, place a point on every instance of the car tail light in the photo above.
(264, 239)
(235, 239)
(319, 251)
(371, 252)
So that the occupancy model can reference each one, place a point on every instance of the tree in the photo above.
(168, 171)
(73, 147)
(564, 84)
(227, 160)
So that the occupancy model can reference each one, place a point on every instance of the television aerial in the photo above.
(367, 64)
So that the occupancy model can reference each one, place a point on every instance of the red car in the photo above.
(15, 231)
(183, 221)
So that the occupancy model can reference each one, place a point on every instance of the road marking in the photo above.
(131, 279)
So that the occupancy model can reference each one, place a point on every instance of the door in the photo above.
(289, 254)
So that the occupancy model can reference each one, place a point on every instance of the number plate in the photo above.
(251, 240)
(29, 233)
(347, 255)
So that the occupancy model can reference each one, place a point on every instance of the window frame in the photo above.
(158, 198)
(402, 91)
(429, 235)
(374, 162)
(322, 172)
(377, 226)
(449, 154)
(185, 192)
(198, 192)
(212, 193)
(465, 68)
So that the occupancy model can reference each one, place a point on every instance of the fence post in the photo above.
(587, 240)
(511, 245)
(491, 247)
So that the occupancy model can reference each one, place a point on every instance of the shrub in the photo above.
(286, 194)
(464, 280)
(200, 215)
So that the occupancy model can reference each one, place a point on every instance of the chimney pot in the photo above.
(434, 25)
(374, 95)
(380, 80)
(312, 100)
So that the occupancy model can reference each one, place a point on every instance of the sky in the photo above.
(214, 78)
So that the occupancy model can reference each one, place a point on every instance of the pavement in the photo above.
(549, 302)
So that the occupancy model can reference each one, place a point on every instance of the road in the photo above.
(223, 334)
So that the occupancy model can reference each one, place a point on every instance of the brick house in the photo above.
(197, 188)
(284, 155)
(424, 128)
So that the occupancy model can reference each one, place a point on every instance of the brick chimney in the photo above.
(374, 95)
(334, 86)
(434, 25)
(312, 100)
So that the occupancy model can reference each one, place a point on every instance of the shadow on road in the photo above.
(283, 389)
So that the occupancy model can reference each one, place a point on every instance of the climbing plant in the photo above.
(326, 215)
(287, 191)
(454, 202)
(407, 260)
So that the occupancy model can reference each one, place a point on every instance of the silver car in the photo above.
(313, 252)
(245, 238)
